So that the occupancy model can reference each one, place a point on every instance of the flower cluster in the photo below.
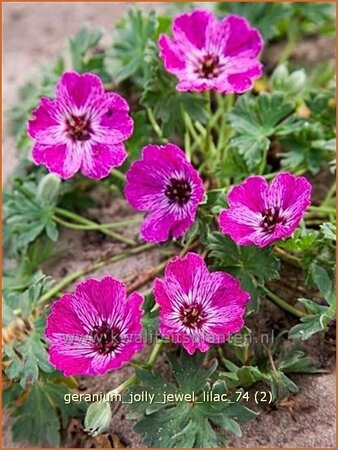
(97, 328)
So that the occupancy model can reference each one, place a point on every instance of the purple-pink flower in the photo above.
(198, 308)
(206, 53)
(82, 129)
(260, 214)
(94, 329)
(167, 186)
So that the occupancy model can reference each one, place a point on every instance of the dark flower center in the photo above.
(178, 191)
(78, 128)
(192, 316)
(106, 339)
(208, 66)
(271, 217)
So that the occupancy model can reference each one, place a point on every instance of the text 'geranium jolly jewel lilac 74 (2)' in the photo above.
(198, 308)
(94, 329)
(82, 129)
(167, 186)
(206, 53)
(260, 214)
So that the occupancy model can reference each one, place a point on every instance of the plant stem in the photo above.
(90, 225)
(98, 226)
(133, 379)
(94, 227)
(330, 193)
(154, 124)
(322, 209)
(92, 268)
(291, 259)
(283, 304)
(116, 173)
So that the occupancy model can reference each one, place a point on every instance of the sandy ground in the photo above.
(35, 33)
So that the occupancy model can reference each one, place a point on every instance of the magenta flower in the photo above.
(95, 329)
(83, 129)
(260, 214)
(198, 308)
(209, 54)
(167, 186)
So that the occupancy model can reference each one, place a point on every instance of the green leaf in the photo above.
(26, 360)
(292, 85)
(256, 119)
(24, 297)
(264, 16)
(28, 214)
(251, 264)
(85, 40)
(179, 421)
(294, 360)
(321, 314)
(37, 420)
(126, 58)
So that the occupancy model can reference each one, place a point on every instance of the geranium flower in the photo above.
(166, 185)
(94, 329)
(206, 53)
(260, 214)
(83, 129)
(198, 308)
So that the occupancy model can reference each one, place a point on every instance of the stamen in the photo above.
(271, 217)
(192, 316)
(178, 191)
(78, 128)
(106, 339)
(208, 66)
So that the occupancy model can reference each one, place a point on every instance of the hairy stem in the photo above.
(291, 259)
(86, 224)
(282, 303)
(89, 269)
(133, 379)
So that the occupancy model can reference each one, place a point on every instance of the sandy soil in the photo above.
(34, 33)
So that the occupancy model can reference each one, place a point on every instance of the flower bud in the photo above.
(97, 418)
(48, 189)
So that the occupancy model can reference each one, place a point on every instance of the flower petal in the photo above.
(77, 89)
(100, 159)
(192, 27)
(243, 40)
(61, 159)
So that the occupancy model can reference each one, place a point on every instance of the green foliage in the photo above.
(26, 301)
(264, 16)
(320, 314)
(252, 265)
(29, 209)
(313, 247)
(125, 59)
(256, 119)
(270, 369)
(39, 418)
(291, 84)
(84, 51)
(180, 422)
(26, 360)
